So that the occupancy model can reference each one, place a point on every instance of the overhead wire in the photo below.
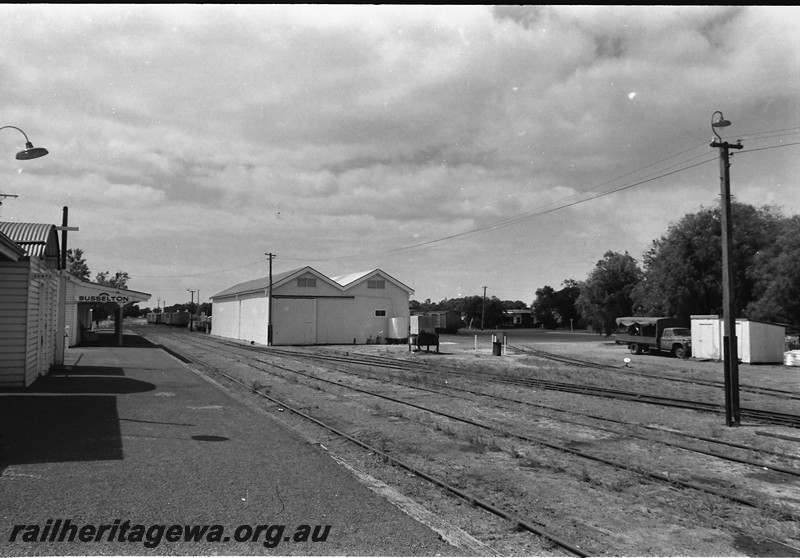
(556, 205)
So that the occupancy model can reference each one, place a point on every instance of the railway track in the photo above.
(531, 526)
(389, 363)
(764, 416)
(380, 365)
(372, 362)
(524, 349)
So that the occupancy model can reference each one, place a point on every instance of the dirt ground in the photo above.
(604, 509)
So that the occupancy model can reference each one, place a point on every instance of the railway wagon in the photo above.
(180, 319)
(154, 318)
(446, 321)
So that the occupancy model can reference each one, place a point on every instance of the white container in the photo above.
(398, 328)
(791, 358)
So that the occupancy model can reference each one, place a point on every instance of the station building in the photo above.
(308, 308)
(35, 295)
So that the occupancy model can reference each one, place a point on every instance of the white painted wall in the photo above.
(225, 321)
(757, 342)
(324, 314)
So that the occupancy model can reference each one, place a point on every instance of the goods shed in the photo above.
(309, 308)
(756, 342)
(29, 302)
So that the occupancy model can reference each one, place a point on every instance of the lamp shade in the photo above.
(31, 152)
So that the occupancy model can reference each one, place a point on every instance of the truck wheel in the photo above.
(635, 348)
(679, 351)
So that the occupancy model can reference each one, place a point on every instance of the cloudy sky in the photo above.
(453, 147)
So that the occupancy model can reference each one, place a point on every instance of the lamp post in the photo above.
(729, 343)
(269, 301)
(191, 313)
(30, 152)
(483, 308)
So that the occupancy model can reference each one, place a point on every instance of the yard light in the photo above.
(729, 346)
(30, 152)
(191, 312)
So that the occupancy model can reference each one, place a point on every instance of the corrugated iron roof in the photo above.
(347, 281)
(343, 282)
(254, 285)
(39, 240)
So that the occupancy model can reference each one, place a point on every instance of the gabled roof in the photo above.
(39, 240)
(342, 283)
(255, 285)
(278, 279)
(348, 281)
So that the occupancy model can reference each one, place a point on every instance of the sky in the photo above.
(453, 147)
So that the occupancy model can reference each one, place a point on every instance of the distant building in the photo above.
(518, 318)
(309, 308)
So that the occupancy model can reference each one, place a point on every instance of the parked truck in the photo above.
(669, 335)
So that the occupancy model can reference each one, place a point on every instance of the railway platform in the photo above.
(128, 451)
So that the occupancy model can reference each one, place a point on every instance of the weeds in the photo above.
(257, 386)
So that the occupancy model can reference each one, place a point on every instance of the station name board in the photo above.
(119, 299)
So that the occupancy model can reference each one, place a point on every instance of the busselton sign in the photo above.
(104, 297)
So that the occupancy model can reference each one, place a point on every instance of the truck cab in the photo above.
(676, 340)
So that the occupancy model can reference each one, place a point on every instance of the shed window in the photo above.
(310, 282)
(380, 313)
(376, 284)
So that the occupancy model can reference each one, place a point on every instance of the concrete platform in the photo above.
(128, 451)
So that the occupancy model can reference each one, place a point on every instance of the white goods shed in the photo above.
(757, 342)
(309, 308)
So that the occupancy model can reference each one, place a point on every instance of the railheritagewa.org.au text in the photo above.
(65, 531)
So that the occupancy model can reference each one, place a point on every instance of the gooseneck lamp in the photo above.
(30, 152)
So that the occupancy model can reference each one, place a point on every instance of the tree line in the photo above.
(681, 272)
(680, 275)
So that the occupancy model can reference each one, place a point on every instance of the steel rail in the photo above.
(473, 500)
(589, 364)
(783, 419)
(773, 417)
(296, 354)
(599, 459)
(488, 507)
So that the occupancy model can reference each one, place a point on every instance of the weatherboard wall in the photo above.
(29, 299)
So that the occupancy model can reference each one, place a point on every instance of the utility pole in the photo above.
(729, 342)
(483, 308)
(269, 304)
(191, 313)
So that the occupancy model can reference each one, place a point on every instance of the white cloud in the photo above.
(196, 138)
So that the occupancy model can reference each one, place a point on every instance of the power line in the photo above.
(200, 274)
(541, 211)
(538, 211)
